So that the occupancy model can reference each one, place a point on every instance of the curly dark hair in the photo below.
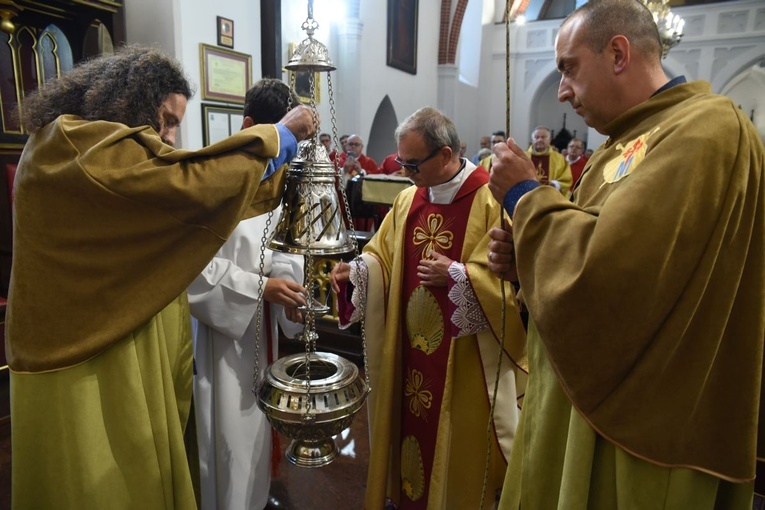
(268, 101)
(127, 87)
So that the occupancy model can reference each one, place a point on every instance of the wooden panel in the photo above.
(9, 87)
(49, 39)
(7, 164)
(55, 53)
(3, 362)
(27, 60)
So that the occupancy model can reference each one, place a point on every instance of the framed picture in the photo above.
(219, 122)
(300, 81)
(225, 32)
(402, 35)
(226, 74)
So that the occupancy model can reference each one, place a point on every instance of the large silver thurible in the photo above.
(312, 220)
(313, 396)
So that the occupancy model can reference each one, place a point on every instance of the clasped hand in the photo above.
(502, 254)
(433, 271)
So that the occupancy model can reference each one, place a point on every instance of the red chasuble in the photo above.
(427, 335)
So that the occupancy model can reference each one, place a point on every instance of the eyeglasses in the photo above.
(414, 167)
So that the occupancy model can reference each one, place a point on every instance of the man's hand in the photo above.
(509, 166)
(352, 165)
(434, 271)
(340, 273)
(502, 254)
(287, 293)
(294, 315)
(301, 121)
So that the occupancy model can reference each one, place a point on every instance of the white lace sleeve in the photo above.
(359, 277)
(468, 318)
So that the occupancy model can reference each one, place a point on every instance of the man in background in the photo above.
(552, 168)
(483, 143)
(645, 295)
(343, 147)
(355, 165)
(111, 225)
(496, 137)
(389, 165)
(234, 436)
(353, 161)
(576, 160)
(326, 141)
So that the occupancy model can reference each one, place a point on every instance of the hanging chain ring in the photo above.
(259, 311)
(354, 239)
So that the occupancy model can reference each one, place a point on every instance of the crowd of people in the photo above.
(635, 384)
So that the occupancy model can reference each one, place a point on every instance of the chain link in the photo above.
(354, 240)
(259, 311)
(309, 335)
(261, 266)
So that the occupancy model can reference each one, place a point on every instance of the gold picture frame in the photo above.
(226, 74)
(402, 35)
(300, 81)
(220, 122)
(225, 28)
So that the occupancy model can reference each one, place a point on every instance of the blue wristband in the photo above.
(515, 194)
(287, 146)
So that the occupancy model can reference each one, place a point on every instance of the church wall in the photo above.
(358, 46)
(722, 40)
(179, 26)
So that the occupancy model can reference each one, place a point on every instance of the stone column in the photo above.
(347, 80)
(448, 77)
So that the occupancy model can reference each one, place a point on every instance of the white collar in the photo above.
(445, 193)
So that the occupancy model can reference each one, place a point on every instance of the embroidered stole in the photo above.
(542, 164)
(426, 336)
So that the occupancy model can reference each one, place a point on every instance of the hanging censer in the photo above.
(312, 396)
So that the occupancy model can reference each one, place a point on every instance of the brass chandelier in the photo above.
(670, 25)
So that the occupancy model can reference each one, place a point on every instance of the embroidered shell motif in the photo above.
(412, 472)
(424, 320)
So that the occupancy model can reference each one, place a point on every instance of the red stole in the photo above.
(542, 165)
(426, 333)
(577, 167)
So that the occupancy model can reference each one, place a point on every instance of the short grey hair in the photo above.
(436, 129)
